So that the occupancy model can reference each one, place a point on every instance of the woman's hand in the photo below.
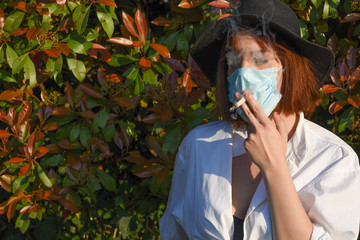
(267, 140)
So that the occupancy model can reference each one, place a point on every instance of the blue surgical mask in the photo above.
(262, 84)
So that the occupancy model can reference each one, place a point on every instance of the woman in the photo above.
(265, 172)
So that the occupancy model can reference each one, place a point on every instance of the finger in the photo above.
(237, 96)
(248, 113)
(256, 108)
(280, 125)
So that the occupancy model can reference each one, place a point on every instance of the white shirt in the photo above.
(324, 169)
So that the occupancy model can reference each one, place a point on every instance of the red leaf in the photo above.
(52, 53)
(8, 95)
(6, 187)
(61, 3)
(336, 106)
(174, 64)
(109, 3)
(121, 41)
(352, 17)
(190, 3)
(32, 33)
(354, 100)
(141, 25)
(25, 113)
(65, 144)
(87, 114)
(151, 118)
(117, 139)
(42, 150)
(59, 111)
(161, 21)
(138, 44)
(153, 146)
(161, 49)
(31, 143)
(100, 50)
(224, 16)
(145, 64)
(351, 57)
(25, 209)
(21, 6)
(135, 157)
(69, 94)
(2, 18)
(51, 126)
(90, 90)
(19, 31)
(69, 204)
(129, 24)
(25, 170)
(53, 148)
(219, 4)
(16, 160)
(149, 171)
(124, 102)
(63, 48)
(124, 137)
(101, 77)
(343, 71)
(74, 161)
(329, 88)
(162, 175)
(50, 195)
(186, 81)
(114, 77)
(4, 134)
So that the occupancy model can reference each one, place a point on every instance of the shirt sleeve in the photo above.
(332, 203)
(170, 222)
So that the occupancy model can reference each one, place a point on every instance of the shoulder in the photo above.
(321, 141)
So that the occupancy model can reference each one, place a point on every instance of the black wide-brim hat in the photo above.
(272, 14)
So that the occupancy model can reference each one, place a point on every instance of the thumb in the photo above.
(280, 125)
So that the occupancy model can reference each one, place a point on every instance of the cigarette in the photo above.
(237, 104)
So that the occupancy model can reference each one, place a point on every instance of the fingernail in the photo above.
(277, 114)
(245, 94)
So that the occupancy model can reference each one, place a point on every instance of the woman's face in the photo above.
(247, 53)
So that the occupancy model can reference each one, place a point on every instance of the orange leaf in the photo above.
(114, 77)
(21, 6)
(25, 170)
(161, 49)
(129, 24)
(16, 160)
(153, 146)
(138, 44)
(336, 106)
(32, 33)
(219, 4)
(50, 195)
(5, 186)
(10, 94)
(90, 90)
(354, 100)
(186, 81)
(63, 48)
(109, 3)
(25, 209)
(141, 25)
(149, 171)
(19, 31)
(51, 126)
(53, 148)
(25, 113)
(135, 157)
(161, 21)
(4, 134)
(121, 41)
(352, 17)
(52, 53)
(2, 18)
(329, 88)
(145, 64)
(100, 50)
(61, 3)
(190, 3)
(59, 111)
(224, 16)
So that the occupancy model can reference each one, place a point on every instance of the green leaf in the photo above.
(77, 67)
(161, 68)
(76, 46)
(2, 55)
(106, 180)
(85, 134)
(149, 77)
(19, 63)
(172, 139)
(304, 29)
(75, 132)
(119, 60)
(22, 222)
(54, 161)
(82, 21)
(322, 25)
(132, 73)
(326, 10)
(30, 71)
(43, 177)
(357, 30)
(11, 55)
(182, 44)
(105, 20)
(90, 34)
(139, 85)
(109, 132)
(22, 182)
(319, 36)
(13, 21)
(124, 226)
(7, 77)
(315, 14)
(171, 40)
(102, 116)
(316, 3)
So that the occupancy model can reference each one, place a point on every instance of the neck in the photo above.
(291, 121)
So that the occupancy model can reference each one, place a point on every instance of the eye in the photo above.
(261, 61)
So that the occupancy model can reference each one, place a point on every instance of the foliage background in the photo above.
(98, 94)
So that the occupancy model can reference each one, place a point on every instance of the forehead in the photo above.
(248, 44)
